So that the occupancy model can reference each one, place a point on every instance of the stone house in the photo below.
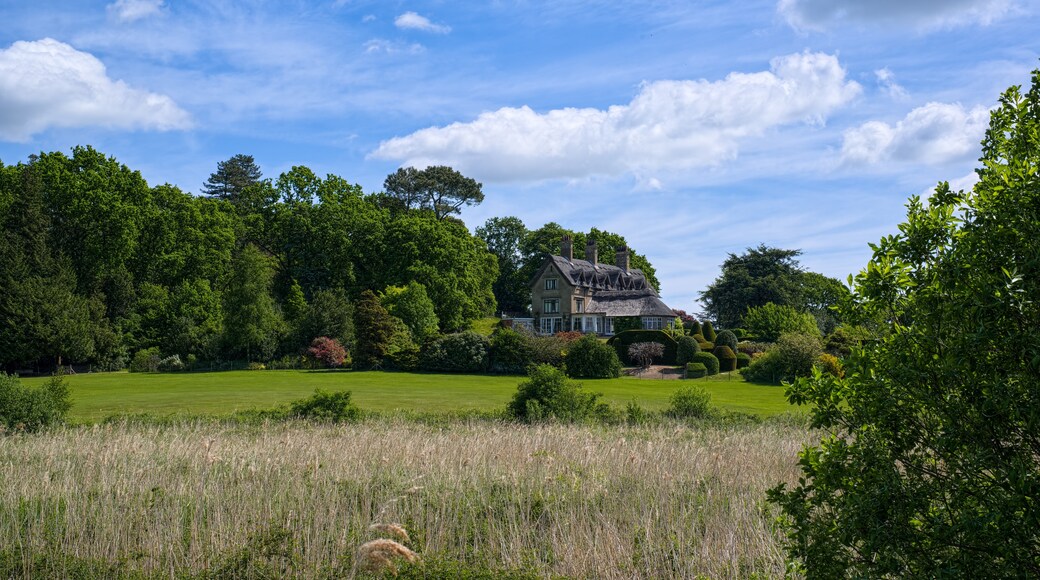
(584, 295)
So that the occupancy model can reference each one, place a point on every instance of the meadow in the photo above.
(209, 499)
(99, 395)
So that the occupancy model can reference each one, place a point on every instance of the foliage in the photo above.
(830, 364)
(437, 188)
(769, 321)
(548, 350)
(328, 351)
(411, 304)
(843, 339)
(686, 347)
(644, 353)
(622, 340)
(709, 361)
(934, 426)
(548, 394)
(727, 358)
(146, 360)
(326, 407)
(696, 370)
(759, 276)
(588, 358)
(569, 336)
(743, 360)
(373, 328)
(511, 352)
(251, 322)
(689, 402)
(726, 338)
(402, 353)
(462, 352)
(708, 331)
(793, 356)
(232, 177)
(503, 237)
(25, 408)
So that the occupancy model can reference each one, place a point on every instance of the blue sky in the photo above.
(695, 129)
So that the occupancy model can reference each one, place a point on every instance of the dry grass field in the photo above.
(297, 499)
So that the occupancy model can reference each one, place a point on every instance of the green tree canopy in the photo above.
(232, 178)
(437, 188)
(932, 468)
(503, 237)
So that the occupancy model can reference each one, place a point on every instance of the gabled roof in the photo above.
(584, 274)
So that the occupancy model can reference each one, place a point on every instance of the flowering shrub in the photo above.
(328, 351)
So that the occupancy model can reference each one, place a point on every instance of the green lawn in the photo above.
(98, 395)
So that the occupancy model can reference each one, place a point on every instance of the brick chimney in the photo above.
(592, 252)
(566, 248)
(622, 258)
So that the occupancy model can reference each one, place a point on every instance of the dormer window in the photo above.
(550, 283)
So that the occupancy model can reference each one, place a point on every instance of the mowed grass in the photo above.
(99, 395)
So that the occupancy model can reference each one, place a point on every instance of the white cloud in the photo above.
(887, 81)
(131, 10)
(378, 45)
(47, 83)
(413, 20)
(819, 14)
(934, 133)
(668, 125)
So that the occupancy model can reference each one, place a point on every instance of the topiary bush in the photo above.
(588, 358)
(510, 352)
(463, 352)
(708, 331)
(726, 338)
(696, 370)
(549, 395)
(686, 347)
(689, 402)
(326, 407)
(727, 358)
(709, 361)
(622, 340)
(743, 360)
(25, 408)
(693, 328)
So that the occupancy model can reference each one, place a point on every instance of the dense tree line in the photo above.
(96, 265)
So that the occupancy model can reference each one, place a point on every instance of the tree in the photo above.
(413, 306)
(252, 324)
(328, 351)
(329, 314)
(757, 277)
(373, 328)
(932, 466)
(503, 237)
(767, 322)
(232, 178)
(437, 188)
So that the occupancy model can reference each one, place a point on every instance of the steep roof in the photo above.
(615, 292)
(584, 274)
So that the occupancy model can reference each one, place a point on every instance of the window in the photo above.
(652, 323)
(550, 325)
(550, 306)
(579, 305)
(550, 283)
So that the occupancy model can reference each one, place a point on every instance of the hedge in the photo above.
(696, 370)
(708, 360)
(622, 340)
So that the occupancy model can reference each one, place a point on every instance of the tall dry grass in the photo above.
(655, 502)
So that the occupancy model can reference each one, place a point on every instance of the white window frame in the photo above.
(652, 323)
(551, 306)
(550, 283)
(579, 305)
(550, 324)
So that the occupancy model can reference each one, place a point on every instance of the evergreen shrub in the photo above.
(696, 370)
(727, 358)
(686, 346)
(588, 358)
(709, 361)
(622, 340)
(462, 352)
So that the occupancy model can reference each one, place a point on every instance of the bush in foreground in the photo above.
(326, 407)
(24, 408)
(689, 402)
(588, 358)
(549, 394)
